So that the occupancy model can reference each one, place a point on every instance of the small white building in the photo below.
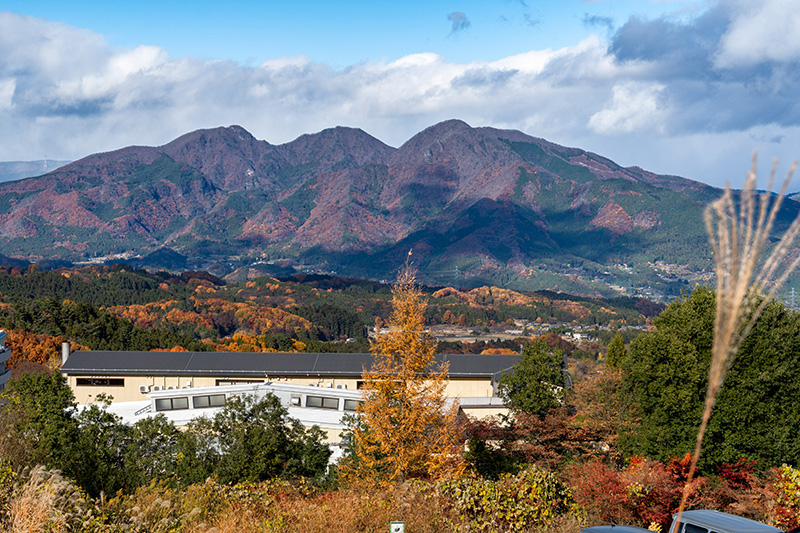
(5, 355)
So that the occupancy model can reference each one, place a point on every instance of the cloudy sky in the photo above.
(688, 87)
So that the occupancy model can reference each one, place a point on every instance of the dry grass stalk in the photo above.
(738, 237)
(46, 502)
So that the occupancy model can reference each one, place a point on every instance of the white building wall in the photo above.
(5, 355)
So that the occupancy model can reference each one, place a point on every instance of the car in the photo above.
(699, 521)
(706, 521)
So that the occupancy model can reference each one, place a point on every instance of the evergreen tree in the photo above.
(536, 383)
(258, 440)
(36, 422)
(616, 352)
(755, 417)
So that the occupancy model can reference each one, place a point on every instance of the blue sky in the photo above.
(345, 33)
(677, 87)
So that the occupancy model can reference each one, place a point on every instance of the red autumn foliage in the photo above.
(644, 493)
(739, 474)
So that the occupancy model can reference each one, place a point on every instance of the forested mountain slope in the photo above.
(477, 205)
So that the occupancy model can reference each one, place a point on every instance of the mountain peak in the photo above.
(441, 130)
(335, 145)
(230, 134)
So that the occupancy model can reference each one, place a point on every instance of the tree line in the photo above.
(249, 439)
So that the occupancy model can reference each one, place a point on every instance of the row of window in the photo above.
(100, 382)
(218, 400)
(323, 402)
(182, 402)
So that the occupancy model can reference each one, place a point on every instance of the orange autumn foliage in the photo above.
(42, 349)
(250, 317)
(241, 342)
(498, 351)
(406, 428)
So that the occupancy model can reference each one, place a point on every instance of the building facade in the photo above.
(129, 376)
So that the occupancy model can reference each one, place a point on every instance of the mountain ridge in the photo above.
(486, 205)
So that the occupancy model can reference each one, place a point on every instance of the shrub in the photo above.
(785, 513)
(532, 498)
(643, 493)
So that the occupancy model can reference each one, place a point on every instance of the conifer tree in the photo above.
(616, 352)
(536, 383)
(406, 428)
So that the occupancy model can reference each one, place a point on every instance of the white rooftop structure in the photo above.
(312, 406)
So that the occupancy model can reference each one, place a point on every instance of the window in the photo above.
(321, 402)
(691, 528)
(313, 401)
(100, 382)
(330, 403)
(212, 400)
(351, 405)
(172, 404)
(226, 382)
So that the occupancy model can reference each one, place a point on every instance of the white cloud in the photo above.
(763, 30)
(7, 93)
(635, 106)
(65, 93)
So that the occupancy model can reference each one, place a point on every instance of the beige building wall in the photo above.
(484, 412)
(468, 388)
(130, 390)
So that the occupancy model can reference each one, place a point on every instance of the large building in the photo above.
(129, 376)
(316, 388)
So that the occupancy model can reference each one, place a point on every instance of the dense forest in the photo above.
(120, 308)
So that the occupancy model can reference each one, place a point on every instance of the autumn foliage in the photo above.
(41, 349)
(406, 427)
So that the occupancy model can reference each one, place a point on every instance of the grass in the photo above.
(739, 233)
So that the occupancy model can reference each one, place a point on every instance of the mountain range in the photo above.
(476, 206)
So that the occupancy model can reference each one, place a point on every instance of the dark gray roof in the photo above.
(260, 364)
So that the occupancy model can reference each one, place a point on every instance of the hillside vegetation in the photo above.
(613, 448)
(119, 308)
